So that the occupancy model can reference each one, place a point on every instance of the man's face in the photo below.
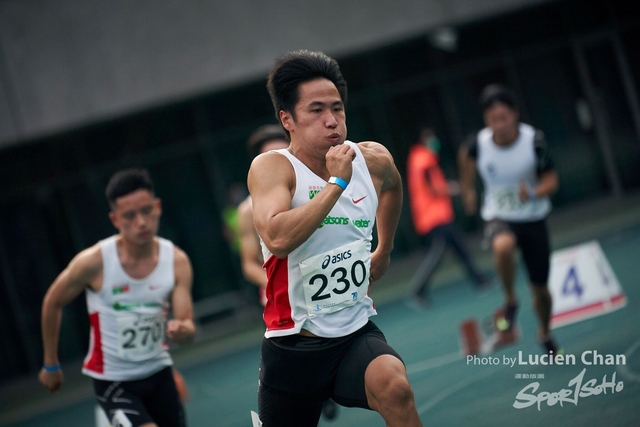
(501, 119)
(137, 216)
(320, 120)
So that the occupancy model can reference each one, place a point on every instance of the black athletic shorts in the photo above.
(150, 400)
(298, 373)
(533, 240)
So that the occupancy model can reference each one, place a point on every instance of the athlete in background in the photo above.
(262, 140)
(513, 161)
(131, 281)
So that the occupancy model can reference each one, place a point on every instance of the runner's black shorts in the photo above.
(150, 400)
(533, 240)
(298, 373)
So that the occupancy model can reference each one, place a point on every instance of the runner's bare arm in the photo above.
(467, 172)
(83, 271)
(250, 253)
(388, 183)
(461, 158)
(548, 185)
(181, 328)
(271, 182)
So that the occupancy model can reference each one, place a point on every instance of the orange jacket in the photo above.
(428, 210)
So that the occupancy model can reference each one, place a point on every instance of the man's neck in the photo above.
(135, 252)
(507, 139)
(316, 164)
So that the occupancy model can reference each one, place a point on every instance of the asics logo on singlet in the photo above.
(326, 261)
(336, 258)
(334, 220)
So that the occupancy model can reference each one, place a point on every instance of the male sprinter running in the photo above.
(518, 175)
(131, 280)
(262, 140)
(315, 205)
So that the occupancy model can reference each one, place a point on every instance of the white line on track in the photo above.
(453, 389)
(434, 362)
(624, 370)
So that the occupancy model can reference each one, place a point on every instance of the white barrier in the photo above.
(582, 284)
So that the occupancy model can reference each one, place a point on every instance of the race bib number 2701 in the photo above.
(336, 279)
(140, 337)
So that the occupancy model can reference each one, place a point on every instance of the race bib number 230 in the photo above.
(336, 279)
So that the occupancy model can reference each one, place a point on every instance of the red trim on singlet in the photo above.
(277, 312)
(95, 362)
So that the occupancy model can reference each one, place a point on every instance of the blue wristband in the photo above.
(339, 182)
(532, 194)
(54, 368)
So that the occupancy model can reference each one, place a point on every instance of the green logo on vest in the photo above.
(334, 220)
(128, 306)
(120, 290)
(361, 223)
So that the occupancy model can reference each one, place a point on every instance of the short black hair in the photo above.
(127, 181)
(497, 93)
(262, 135)
(298, 67)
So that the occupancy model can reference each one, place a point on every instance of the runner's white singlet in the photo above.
(502, 169)
(128, 317)
(322, 285)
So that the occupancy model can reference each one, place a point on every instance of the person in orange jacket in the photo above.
(433, 216)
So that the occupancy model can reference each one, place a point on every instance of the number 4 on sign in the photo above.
(571, 284)
(583, 284)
